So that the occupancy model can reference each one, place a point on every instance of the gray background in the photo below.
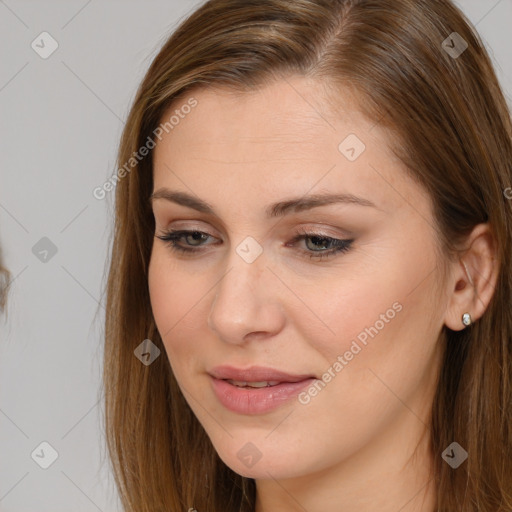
(61, 119)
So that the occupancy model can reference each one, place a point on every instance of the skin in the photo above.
(351, 447)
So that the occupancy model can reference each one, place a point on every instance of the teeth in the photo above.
(262, 384)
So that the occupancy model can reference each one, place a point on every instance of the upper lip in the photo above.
(254, 374)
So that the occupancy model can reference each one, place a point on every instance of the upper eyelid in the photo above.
(317, 230)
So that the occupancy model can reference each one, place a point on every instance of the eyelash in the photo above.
(172, 237)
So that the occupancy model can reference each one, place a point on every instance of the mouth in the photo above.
(255, 390)
(262, 384)
(255, 376)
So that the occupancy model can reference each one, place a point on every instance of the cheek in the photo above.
(373, 316)
(168, 295)
(179, 304)
(162, 291)
(173, 292)
(354, 317)
(338, 305)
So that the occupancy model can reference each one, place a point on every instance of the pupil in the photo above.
(197, 236)
(318, 240)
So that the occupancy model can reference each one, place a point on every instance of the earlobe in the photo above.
(475, 276)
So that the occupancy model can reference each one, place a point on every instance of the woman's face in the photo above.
(337, 301)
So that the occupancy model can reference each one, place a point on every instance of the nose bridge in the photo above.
(242, 301)
(238, 288)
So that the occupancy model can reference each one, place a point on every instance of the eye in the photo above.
(321, 246)
(172, 237)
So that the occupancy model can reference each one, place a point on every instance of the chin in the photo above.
(261, 470)
(250, 462)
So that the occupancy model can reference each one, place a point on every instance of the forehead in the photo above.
(290, 110)
(286, 138)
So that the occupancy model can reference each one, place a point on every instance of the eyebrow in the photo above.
(278, 209)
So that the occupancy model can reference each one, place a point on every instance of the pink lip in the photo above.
(255, 374)
(255, 400)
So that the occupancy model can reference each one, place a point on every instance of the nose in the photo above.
(247, 302)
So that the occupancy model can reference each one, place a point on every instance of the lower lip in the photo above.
(256, 400)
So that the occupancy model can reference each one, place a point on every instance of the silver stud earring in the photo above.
(466, 319)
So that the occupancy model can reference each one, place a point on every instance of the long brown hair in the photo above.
(452, 129)
(5, 282)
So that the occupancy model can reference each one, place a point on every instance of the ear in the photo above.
(472, 290)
